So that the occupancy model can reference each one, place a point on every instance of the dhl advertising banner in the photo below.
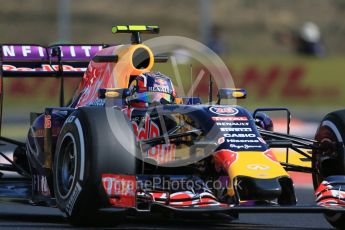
(270, 81)
(291, 81)
(277, 81)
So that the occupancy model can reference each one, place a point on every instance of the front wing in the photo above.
(125, 194)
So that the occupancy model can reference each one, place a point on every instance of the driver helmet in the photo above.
(151, 88)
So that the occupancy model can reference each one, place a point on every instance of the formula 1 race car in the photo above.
(127, 143)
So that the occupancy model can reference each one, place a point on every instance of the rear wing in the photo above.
(59, 61)
(52, 61)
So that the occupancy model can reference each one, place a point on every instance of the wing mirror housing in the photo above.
(231, 93)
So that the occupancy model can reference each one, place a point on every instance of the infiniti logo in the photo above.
(258, 167)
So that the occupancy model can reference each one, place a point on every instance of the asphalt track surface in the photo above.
(19, 216)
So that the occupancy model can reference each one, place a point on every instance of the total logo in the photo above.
(224, 111)
(228, 118)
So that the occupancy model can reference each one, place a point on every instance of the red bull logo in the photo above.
(160, 82)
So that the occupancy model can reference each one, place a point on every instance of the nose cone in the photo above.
(249, 188)
(259, 169)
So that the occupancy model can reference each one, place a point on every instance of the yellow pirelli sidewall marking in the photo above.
(255, 165)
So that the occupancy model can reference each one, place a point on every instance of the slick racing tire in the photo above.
(86, 149)
(331, 160)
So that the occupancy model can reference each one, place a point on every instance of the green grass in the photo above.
(15, 131)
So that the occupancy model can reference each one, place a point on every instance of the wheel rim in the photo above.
(67, 165)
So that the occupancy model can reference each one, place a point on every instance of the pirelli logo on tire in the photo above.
(72, 200)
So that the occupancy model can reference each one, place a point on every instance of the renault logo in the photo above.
(258, 167)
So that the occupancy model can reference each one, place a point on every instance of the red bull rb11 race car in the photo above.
(127, 143)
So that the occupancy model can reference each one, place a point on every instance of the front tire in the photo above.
(330, 161)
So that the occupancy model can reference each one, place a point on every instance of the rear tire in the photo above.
(332, 161)
(86, 149)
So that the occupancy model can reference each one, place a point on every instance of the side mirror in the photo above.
(114, 96)
(118, 93)
(231, 93)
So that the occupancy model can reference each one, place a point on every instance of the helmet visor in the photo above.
(151, 97)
